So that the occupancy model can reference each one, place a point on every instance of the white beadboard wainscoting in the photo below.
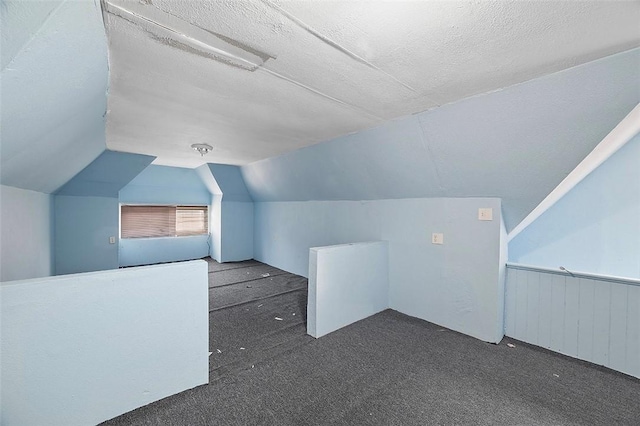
(591, 317)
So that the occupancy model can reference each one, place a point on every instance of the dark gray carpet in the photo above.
(389, 369)
(217, 267)
(254, 290)
(243, 274)
(256, 312)
(254, 326)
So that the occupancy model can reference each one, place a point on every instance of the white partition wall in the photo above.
(594, 318)
(80, 349)
(347, 283)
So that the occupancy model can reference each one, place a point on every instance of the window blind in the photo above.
(163, 221)
(191, 220)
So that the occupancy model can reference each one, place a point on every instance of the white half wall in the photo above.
(81, 349)
(26, 234)
(456, 284)
(347, 283)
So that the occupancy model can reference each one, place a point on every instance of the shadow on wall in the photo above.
(593, 228)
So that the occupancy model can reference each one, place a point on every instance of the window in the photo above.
(163, 221)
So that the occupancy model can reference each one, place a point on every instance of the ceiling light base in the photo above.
(202, 148)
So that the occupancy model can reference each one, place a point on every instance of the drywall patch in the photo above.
(334, 44)
(167, 41)
(188, 49)
(175, 32)
(262, 55)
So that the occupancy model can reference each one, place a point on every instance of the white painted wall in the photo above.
(80, 349)
(26, 234)
(347, 283)
(456, 285)
(502, 272)
(215, 227)
(593, 319)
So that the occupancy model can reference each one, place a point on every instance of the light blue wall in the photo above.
(516, 144)
(456, 285)
(215, 211)
(55, 75)
(26, 234)
(165, 185)
(236, 231)
(106, 175)
(347, 283)
(83, 226)
(229, 179)
(147, 251)
(231, 221)
(81, 349)
(86, 212)
(595, 227)
(593, 319)
(233, 237)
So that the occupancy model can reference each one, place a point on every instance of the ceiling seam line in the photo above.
(336, 45)
(258, 66)
(181, 34)
(318, 92)
(431, 156)
(252, 50)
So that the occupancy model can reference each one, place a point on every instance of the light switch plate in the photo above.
(437, 238)
(112, 240)
(485, 214)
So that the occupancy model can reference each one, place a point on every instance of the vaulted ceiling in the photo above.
(259, 78)
(516, 144)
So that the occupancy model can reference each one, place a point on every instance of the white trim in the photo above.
(575, 274)
(616, 139)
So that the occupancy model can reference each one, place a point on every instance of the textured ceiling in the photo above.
(256, 79)
(516, 144)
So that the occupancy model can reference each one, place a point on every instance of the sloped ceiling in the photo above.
(516, 144)
(595, 227)
(106, 175)
(166, 185)
(54, 91)
(260, 78)
(230, 181)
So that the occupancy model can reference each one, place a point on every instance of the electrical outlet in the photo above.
(485, 214)
(112, 240)
(437, 238)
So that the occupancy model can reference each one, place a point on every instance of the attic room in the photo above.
(319, 212)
